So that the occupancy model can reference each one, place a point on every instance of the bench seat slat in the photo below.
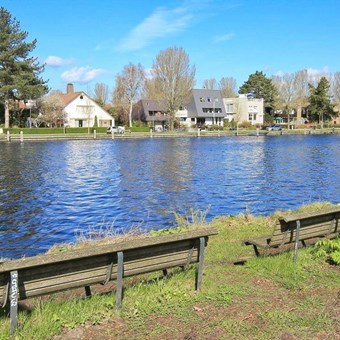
(317, 214)
(92, 251)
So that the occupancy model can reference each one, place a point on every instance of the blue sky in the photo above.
(88, 42)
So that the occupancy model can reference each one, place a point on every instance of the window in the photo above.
(208, 99)
(250, 116)
(81, 97)
(202, 100)
(85, 110)
(230, 107)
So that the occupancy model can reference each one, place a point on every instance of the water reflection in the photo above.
(51, 189)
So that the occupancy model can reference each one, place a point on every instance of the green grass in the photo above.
(266, 298)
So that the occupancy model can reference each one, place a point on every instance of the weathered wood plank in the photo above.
(45, 274)
(104, 249)
(302, 216)
(55, 280)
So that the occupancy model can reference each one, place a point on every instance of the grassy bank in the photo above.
(266, 298)
(83, 133)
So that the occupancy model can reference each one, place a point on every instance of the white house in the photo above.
(80, 110)
(244, 109)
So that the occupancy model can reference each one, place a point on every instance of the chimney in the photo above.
(69, 88)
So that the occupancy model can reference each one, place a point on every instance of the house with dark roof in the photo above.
(205, 107)
(152, 112)
(80, 110)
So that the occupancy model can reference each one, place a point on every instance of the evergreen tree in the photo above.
(320, 108)
(19, 73)
(261, 87)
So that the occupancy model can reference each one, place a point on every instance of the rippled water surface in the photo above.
(51, 191)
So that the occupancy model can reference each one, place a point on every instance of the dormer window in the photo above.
(81, 97)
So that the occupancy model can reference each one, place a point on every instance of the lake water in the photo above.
(50, 192)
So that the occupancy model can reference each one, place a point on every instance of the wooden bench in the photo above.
(292, 229)
(49, 273)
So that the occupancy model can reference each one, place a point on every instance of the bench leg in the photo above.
(88, 291)
(297, 237)
(120, 271)
(200, 263)
(14, 300)
(256, 250)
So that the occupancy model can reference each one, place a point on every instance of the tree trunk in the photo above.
(6, 113)
(172, 121)
(130, 115)
(298, 115)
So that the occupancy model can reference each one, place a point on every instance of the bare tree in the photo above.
(101, 94)
(301, 92)
(51, 107)
(285, 85)
(128, 88)
(335, 87)
(210, 84)
(175, 79)
(227, 86)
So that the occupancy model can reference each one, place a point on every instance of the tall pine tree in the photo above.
(19, 73)
(261, 87)
(320, 108)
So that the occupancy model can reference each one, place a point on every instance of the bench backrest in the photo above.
(324, 223)
(48, 273)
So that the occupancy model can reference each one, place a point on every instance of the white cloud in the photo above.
(82, 74)
(55, 61)
(225, 37)
(160, 23)
(317, 73)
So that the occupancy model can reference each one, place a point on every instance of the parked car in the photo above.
(115, 129)
(275, 127)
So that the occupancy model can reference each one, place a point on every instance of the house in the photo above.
(205, 107)
(244, 108)
(80, 110)
(152, 112)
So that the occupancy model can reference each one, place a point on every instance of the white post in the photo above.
(94, 134)
(112, 134)
(8, 136)
(257, 131)
(151, 133)
(21, 136)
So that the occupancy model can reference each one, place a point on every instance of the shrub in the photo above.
(328, 250)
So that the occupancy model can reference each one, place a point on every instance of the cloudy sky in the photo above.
(88, 42)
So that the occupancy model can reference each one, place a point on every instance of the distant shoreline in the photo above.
(144, 135)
